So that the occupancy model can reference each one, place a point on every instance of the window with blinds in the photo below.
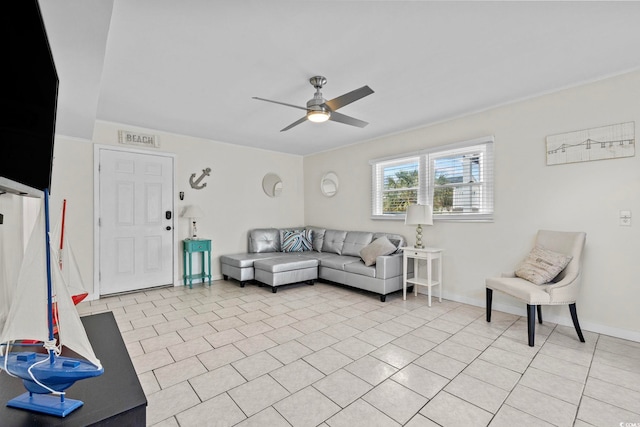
(456, 180)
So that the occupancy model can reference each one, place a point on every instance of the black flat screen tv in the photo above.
(28, 101)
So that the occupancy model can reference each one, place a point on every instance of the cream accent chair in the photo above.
(561, 290)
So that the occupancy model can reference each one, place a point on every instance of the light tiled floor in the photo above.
(331, 356)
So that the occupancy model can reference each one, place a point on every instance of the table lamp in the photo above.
(419, 215)
(192, 212)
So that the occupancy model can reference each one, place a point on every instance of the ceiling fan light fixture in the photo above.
(319, 110)
(318, 116)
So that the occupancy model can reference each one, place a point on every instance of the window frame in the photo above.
(378, 178)
(426, 159)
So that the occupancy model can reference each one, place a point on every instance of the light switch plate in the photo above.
(625, 218)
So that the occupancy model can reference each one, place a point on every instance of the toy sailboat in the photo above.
(31, 318)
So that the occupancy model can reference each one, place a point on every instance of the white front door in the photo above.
(135, 220)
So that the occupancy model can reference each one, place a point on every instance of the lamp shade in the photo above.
(193, 211)
(419, 214)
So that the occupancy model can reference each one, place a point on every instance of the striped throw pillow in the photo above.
(296, 241)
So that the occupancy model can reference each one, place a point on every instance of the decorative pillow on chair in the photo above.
(296, 241)
(379, 247)
(542, 265)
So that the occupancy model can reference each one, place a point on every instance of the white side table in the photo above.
(428, 254)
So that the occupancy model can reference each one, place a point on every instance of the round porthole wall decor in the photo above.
(272, 185)
(329, 184)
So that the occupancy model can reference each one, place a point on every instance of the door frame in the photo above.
(97, 148)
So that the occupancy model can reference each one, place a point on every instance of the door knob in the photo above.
(168, 227)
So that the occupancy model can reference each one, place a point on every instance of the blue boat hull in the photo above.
(59, 375)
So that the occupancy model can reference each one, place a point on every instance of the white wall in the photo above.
(528, 196)
(233, 200)
(72, 179)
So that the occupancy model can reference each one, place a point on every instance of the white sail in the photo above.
(27, 318)
(6, 293)
(11, 251)
(67, 261)
(71, 333)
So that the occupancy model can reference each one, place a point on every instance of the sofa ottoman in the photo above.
(240, 266)
(284, 271)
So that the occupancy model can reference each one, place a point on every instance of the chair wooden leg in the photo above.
(489, 300)
(574, 317)
(539, 314)
(531, 323)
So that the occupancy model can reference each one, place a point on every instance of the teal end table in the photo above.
(190, 247)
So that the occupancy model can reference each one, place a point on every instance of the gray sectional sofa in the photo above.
(359, 259)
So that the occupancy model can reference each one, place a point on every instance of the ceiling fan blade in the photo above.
(348, 98)
(347, 120)
(281, 103)
(296, 123)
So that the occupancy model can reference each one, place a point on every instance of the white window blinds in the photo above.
(456, 180)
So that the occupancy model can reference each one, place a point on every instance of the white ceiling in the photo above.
(190, 67)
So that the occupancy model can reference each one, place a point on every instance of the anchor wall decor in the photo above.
(196, 184)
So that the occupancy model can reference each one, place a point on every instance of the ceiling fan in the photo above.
(320, 110)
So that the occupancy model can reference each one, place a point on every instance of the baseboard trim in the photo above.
(181, 281)
(560, 320)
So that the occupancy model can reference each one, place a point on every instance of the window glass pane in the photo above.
(451, 193)
(448, 170)
(442, 200)
(396, 202)
(400, 187)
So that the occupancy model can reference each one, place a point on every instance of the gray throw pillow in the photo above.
(264, 240)
(318, 238)
(542, 265)
(355, 241)
(379, 247)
